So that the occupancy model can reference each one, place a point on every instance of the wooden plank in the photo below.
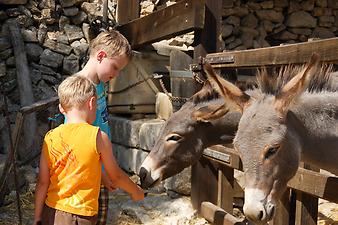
(218, 216)
(204, 183)
(181, 86)
(40, 105)
(278, 55)
(224, 155)
(127, 10)
(12, 154)
(24, 85)
(306, 209)
(282, 211)
(226, 188)
(306, 205)
(179, 18)
(207, 39)
(316, 184)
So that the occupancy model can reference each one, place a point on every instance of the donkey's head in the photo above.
(266, 139)
(186, 133)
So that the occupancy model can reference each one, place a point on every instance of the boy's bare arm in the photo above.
(41, 188)
(115, 173)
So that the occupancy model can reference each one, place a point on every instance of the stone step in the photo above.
(141, 133)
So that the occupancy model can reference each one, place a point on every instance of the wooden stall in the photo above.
(299, 204)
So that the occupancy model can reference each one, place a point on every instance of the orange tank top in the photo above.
(74, 168)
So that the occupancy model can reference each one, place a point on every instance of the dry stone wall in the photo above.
(256, 24)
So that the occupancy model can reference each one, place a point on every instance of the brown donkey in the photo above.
(186, 134)
(278, 128)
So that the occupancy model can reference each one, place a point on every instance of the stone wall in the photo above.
(255, 24)
(57, 33)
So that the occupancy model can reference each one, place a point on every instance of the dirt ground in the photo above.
(156, 209)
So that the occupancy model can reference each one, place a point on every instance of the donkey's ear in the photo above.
(229, 91)
(296, 86)
(211, 112)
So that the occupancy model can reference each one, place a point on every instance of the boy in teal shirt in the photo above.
(110, 52)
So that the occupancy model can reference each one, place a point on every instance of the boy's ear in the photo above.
(92, 102)
(101, 55)
(62, 110)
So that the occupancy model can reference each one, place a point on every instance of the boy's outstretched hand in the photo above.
(138, 194)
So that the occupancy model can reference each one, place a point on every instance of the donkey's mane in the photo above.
(272, 81)
(206, 94)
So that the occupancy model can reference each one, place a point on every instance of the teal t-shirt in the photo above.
(102, 110)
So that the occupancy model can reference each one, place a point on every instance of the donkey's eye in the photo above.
(271, 151)
(174, 137)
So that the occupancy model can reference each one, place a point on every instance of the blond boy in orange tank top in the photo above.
(70, 166)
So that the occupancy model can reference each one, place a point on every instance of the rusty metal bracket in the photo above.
(220, 59)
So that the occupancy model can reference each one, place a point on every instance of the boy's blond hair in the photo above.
(74, 91)
(112, 42)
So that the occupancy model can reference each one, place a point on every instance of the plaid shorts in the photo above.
(103, 206)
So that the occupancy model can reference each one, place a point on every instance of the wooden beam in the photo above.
(179, 18)
(275, 56)
(40, 105)
(316, 184)
(218, 216)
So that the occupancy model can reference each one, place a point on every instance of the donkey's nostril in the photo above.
(260, 215)
(142, 173)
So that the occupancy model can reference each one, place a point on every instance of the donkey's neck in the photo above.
(318, 113)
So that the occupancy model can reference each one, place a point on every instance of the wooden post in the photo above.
(283, 210)
(180, 86)
(127, 10)
(306, 205)
(204, 183)
(25, 87)
(204, 180)
(226, 188)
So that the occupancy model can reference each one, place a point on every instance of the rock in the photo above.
(80, 49)
(270, 15)
(249, 21)
(69, 3)
(321, 32)
(129, 159)
(79, 18)
(47, 4)
(267, 4)
(45, 90)
(42, 32)
(29, 35)
(73, 32)
(281, 3)
(180, 183)
(71, 11)
(33, 51)
(35, 75)
(308, 5)
(93, 10)
(4, 44)
(13, 2)
(10, 61)
(2, 69)
(63, 21)
(57, 47)
(233, 20)
(236, 11)
(51, 59)
(322, 12)
(302, 31)
(301, 19)
(70, 64)
(6, 53)
(321, 3)
(286, 35)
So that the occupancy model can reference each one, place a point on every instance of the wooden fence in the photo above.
(213, 183)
